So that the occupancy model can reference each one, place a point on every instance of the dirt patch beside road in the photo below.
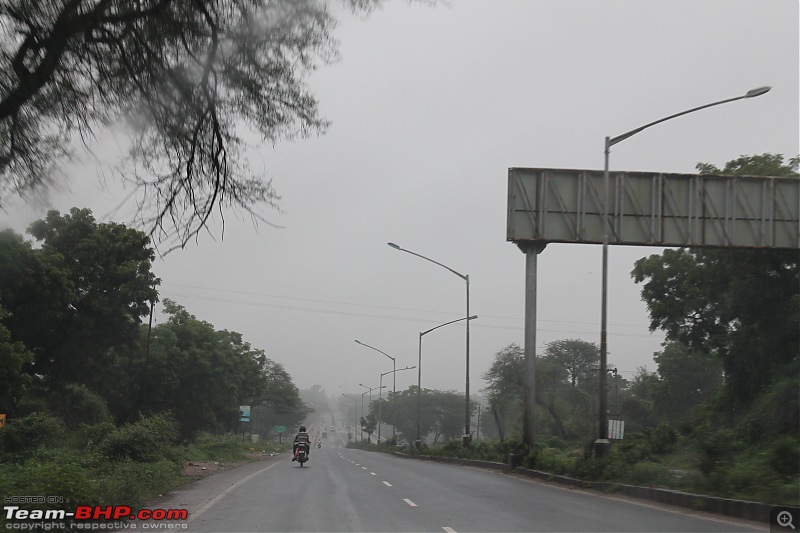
(194, 470)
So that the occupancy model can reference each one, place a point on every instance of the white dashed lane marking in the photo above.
(409, 502)
(449, 529)
(387, 483)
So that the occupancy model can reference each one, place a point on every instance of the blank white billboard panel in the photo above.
(655, 209)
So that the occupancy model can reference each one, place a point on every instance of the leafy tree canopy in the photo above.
(576, 356)
(740, 306)
(82, 293)
(203, 375)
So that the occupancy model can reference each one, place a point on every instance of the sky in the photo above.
(430, 107)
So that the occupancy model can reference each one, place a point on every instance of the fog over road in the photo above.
(343, 489)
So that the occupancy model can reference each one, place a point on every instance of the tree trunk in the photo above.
(498, 424)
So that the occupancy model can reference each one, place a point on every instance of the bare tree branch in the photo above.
(182, 74)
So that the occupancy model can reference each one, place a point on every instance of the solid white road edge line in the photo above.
(207, 506)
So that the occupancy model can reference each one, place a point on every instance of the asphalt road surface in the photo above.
(353, 490)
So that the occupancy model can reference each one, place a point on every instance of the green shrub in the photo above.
(91, 481)
(135, 482)
(146, 441)
(591, 469)
(717, 449)
(647, 473)
(66, 479)
(207, 447)
(554, 461)
(784, 457)
(635, 448)
(90, 437)
(662, 439)
(24, 436)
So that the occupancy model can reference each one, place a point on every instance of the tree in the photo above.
(741, 307)
(202, 376)
(637, 401)
(183, 76)
(78, 298)
(368, 425)
(687, 378)
(506, 391)
(576, 356)
(441, 413)
(14, 357)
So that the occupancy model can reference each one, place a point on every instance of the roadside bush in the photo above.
(207, 447)
(663, 439)
(553, 461)
(65, 478)
(647, 473)
(128, 481)
(90, 437)
(717, 449)
(146, 441)
(24, 436)
(590, 469)
(634, 448)
(784, 458)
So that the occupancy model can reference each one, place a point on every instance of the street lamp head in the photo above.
(757, 92)
(393, 245)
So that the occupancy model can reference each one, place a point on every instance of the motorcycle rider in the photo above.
(301, 438)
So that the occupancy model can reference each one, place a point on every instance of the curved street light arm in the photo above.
(397, 247)
(398, 370)
(750, 94)
(473, 317)
(377, 350)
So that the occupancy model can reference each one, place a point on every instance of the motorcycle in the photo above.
(302, 454)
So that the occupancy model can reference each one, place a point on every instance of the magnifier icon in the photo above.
(785, 519)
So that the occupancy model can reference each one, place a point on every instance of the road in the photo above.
(352, 490)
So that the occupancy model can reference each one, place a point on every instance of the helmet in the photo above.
(302, 429)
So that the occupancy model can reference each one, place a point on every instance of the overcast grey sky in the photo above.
(430, 107)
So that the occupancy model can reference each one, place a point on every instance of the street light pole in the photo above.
(380, 402)
(354, 411)
(394, 384)
(360, 427)
(602, 439)
(370, 402)
(419, 366)
(465, 277)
